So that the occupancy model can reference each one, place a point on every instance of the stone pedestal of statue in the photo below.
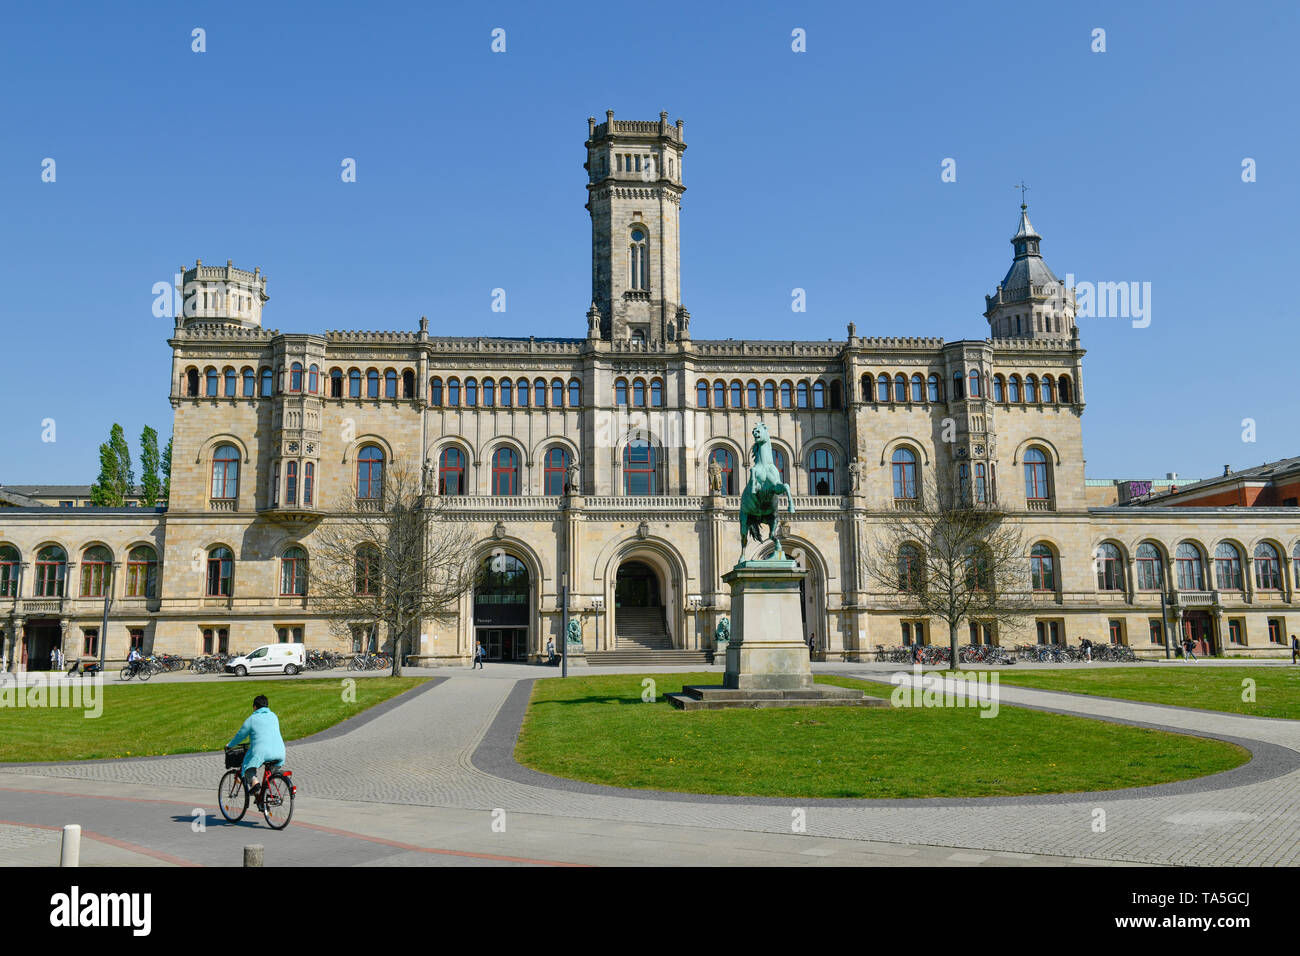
(767, 660)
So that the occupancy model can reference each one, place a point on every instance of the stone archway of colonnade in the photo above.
(644, 593)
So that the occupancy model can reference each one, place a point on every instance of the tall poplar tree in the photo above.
(116, 480)
(150, 483)
(167, 472)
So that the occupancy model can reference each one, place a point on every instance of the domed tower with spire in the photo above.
(1030, 301)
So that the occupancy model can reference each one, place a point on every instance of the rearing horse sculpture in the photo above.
(758, 502)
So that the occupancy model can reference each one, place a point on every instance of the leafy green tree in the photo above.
(150, 483)
(167, 472)
(116, 479)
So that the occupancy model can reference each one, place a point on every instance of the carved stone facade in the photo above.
(590, 457)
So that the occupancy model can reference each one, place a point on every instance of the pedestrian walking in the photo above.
(1087, 650)
(812, 645)
(479, 654)
(1188, 648)
(1295, 649)
(56, 663)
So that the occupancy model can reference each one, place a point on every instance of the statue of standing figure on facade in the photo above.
(715, 478)
(429, 478)
(855, 476)
(572, 478)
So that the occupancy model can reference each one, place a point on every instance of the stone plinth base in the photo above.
(696, 697)
(767, 649)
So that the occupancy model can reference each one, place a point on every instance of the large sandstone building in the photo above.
(586, 461)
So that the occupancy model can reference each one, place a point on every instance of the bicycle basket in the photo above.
(235, 757)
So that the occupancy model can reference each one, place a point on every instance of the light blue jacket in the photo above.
(262, 731)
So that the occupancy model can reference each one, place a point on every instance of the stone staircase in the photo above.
(642, 639)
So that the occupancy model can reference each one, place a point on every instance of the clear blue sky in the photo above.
(818, 170)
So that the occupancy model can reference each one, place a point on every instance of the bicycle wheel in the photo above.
(232, 796)
(146, 672)
(127, 672)
(277, 801)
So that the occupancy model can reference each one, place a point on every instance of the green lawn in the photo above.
(597, 729)
(1276, 690)
(186, 717)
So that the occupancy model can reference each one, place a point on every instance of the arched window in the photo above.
(336, 383)
(51, 568)
(354, 383)
(1190, 569)
(291, 483)
(837, 393)
(638, 260)
(821, 472)
(390, 383)
(981, 484)
(1042, 571)
(211, 375)
(958, 389)
(575, 393)
(727, 462)
(787, 395)
(367, 570)
(471, 392)
(521, 388)
(999, 388)
(489, 393)
(719, 394)
(819, 394)
(1268, 567)
(408, 383)
(918, 388)
(1227, 567)
(933, 387)
(778, 458)
(769, 394)
(1031, 389)
(1036, 487)
(1063, 387)
(453, 392)
(96, 562)
(221, 572)
(372, 383)
(225, 473)
(539, 393)
(435, 392)
(555, 476)
(268, 384)
(801, 395)
(639, 471)
(620, 391)
(738, 395)
(451, 471)
(557, 393)
(313, 379)
(370, 472)
(308, 480)
(1048, 398)
(751, 395)
(142, 572)
(295, 377)
(1110, 568)
(1150, 577)
(867, 386)
(638, 393)
(231, 383)
(882, 387)
(192, 383)
(904, 467)
(505, 472)
(975, 383)
(1013, 389)
(507, 393)
(702, 395)
(911, 570)
(656, 393)
(293, 572)
(900, 387)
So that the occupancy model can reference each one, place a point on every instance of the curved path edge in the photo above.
(495, 755)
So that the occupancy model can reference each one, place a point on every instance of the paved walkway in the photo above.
(420, 782)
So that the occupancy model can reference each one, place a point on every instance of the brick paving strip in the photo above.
(451, 747)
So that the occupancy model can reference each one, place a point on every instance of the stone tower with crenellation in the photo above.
(634, 195)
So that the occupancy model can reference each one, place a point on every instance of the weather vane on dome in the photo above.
(1022, 187)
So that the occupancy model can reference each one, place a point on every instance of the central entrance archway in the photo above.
(501, 608)
(637, 585)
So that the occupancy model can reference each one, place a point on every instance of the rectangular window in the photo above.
(1275, 630)
(90, 641)
(207, 640)
(1236, 631)
(1157, 631)
(137, 638)
(907, 634)
(1049, 632)
(1116, 629)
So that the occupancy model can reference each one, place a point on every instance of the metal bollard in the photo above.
(70, 849)
(253, 854)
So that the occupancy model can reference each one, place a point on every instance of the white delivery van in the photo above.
(271, 659)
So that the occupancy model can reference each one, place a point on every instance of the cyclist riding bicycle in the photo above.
(265, 745)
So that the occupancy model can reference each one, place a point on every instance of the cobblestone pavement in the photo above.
(448, 747)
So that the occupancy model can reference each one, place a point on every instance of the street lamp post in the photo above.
(564, 623)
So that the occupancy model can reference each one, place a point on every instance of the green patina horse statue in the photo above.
(758, 502)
